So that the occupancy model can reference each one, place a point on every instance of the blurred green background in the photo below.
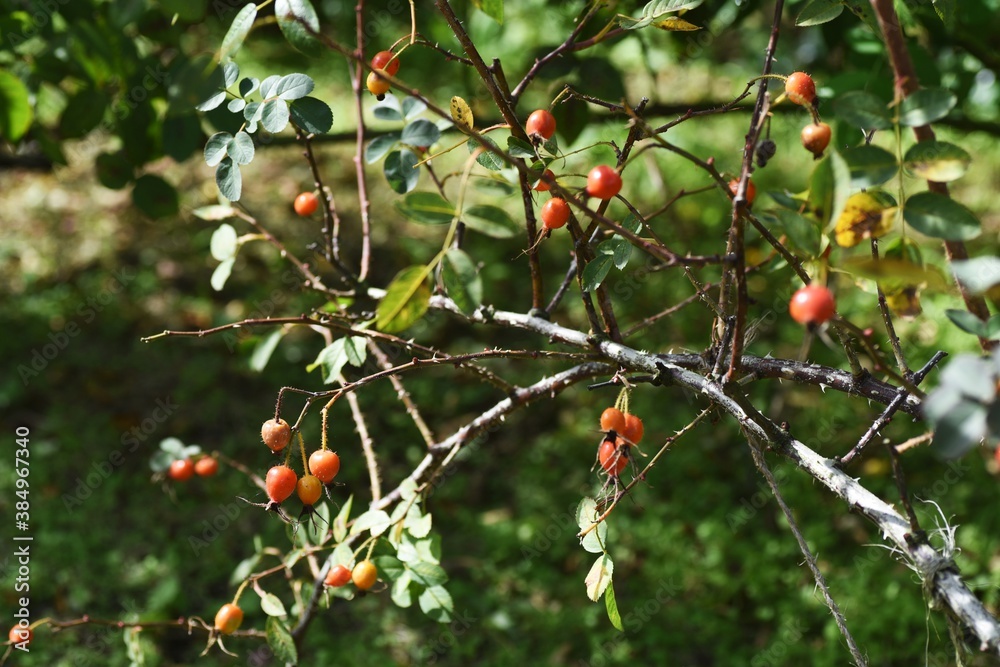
(706, 571)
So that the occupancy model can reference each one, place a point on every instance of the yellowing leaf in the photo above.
(599, 577)
(905, 302)
(461, 114)
(674, 24)
(865, 217)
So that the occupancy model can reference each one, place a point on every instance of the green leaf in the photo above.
(406, 300)
(492, 8)
(389, 567)
(862, 110)
(926, 106)
(611, 604)
(281, 642)
(959, 425)
(599, 577)
(486, 158)
(224, 242)
(268, 86)
(293, 86)
(311, 115)
(401, 594)
(596, 271)
(521, 148)
(271, 605)
(421, 132)
(155, 197)
(978, 274)
(388, 109)
(428, 208)
(114, 171)
(419, 527)
(945, 10)
(803, 233)
(586, 514)
(818, 12)
(356, 349)
(338, 354)
(229, 180)
(263, 350)
(461, 280)
(379, 146)
(901, 270)
(400, 172)
(436, 602)
(216, 147)
(376, 521)
(936, 161)
(428, 574)
(940, 217)
(274, 115)
(241, 148)
(293, 17)
(244, 569)
(83, 112)
(869, 166)
(340, 523)
(185, 136)
(490, 220)
(967, 322)
(248, 86)
(413, 106)
(238, 31)
(215, 212)
(654, 10)
(221, 274)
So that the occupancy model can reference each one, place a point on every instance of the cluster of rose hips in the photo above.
(364, 575)
(385, 63)
(801, 89)
(621, 432)
(182, 470)
(281, 481)
(603, 182)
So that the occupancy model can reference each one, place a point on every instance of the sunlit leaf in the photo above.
(599, 577)
(818, 12)
(461, 113)
(926, 106)
(293, 18)
(238, 31)
(280, 641)
(406, 300)
(865, 216)
(936, 161)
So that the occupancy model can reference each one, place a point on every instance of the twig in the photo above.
(359, 163)
(890, 410)
(367, 445)
(838, 616)
(735, 244)
(402, 394)
(890, 329)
